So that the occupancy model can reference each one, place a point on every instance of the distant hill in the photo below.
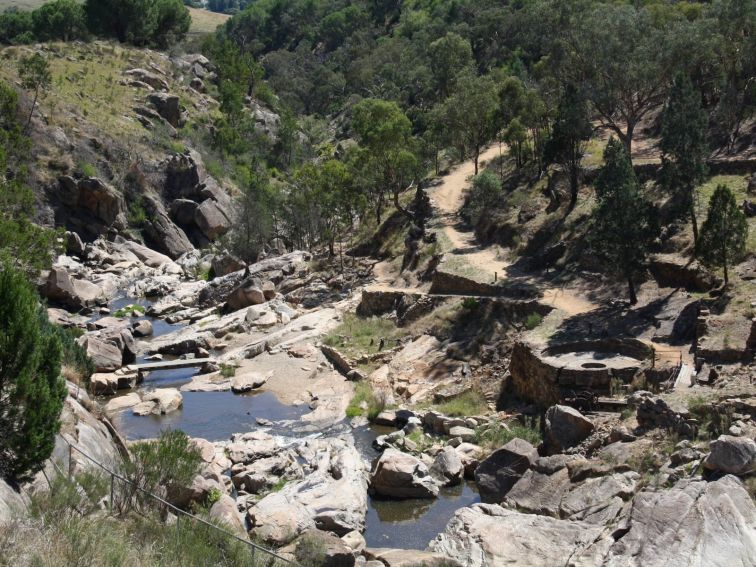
(203, 21)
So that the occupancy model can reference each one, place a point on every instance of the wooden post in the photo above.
(112, 491)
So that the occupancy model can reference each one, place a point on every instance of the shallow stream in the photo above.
(215, 416)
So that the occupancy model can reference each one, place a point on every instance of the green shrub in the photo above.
(363, 392)
(532, 321)
(469, 303)
(227, 370)
(86, 169)
(499, 434)
(129, 310)
(311, 550)
(137, 215)
(468, 403)
(157, 466)
(31, 390)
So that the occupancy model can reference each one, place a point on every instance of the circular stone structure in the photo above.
(546, 374)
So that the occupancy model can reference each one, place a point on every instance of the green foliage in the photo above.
(31, 391)
(227, 370)
(129, 310)
(385, 136)
(624, 223)
(468, 403)
(725, 232)
(68, 527)
(87, 169)
(254, 227)
(34, 72)
(140, 22)
(532, 321)
(28, 246)
(74, 357)
(310, 550)
(449, 56)
(569, 134)
(60, 20)
(485, 194)
(157, 467)
(364, 395)
(357, 336)
(137, 214)
(683, 145)
(469, 303)
(496, 435)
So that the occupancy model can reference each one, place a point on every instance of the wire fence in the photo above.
(273, 557)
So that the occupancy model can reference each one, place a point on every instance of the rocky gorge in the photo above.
(288, 464)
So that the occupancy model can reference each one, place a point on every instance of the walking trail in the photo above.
(448, 199)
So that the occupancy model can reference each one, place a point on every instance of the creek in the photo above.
(215, 416)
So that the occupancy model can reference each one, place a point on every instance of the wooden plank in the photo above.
(168, 364)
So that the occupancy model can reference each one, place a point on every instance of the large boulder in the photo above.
(224, 512)
(106, 357)
(332, 496)
(13, 504)
(486, 535)
(148, 77)
(497, 474)
(248, 293)
(734, 455)
(161, 233)
(539, 493)
(565, 427)
(166, 400)
(62, 289)
(399, 475)
(447, 467)
(331, 551)
(247, 381)
(212, 219)
(90, 205)
(168, 106)
(407, 558)
(693, 524)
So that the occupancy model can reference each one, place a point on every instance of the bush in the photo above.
(86, 169)
(363, 392)
(485, 194)
(157, 467)
(499, 434)
(129, 310)
(468, 403)
(31, 390)
(532, 321)
(78, 365)
(139, 22)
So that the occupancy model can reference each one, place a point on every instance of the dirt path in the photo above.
(448, 198)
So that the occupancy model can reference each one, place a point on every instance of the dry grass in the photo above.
(205, 22)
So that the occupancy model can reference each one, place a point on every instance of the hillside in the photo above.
(358, 283)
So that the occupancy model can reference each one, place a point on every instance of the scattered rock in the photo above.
(447, 467)
(734, 455)
(498, 473)
(247, 382)
(400, 475)
(565, 428)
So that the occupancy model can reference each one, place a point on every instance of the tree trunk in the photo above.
(574, 186)
(631, 290)
(476, 156)
(401, 209)
(694, 222)
(31, 112)
(627, 139)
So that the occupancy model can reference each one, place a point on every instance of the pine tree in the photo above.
(683, 146)
(570, 132)
(31, 390)
(624, 223)
(724, 233)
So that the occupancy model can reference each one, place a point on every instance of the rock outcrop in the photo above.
(498, 473)
(734, 455)
(399, 475)
(565, 428)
